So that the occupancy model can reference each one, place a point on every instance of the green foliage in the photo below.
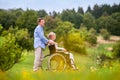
(91, 38)
(42, 13)
(89, 21)
(116, 28)
(87, 71)
(116, 16)
(73, 17)
(63, 29)
(10, 52)
(83, 32)
(105, 34)
(12, 43)
(80, 10)
(107, 22)
(6, 19)
(1, 27)
(88, 36)
(98, 10)
(73, 42)
(116, 50)
(92, 31)
(22, 37)
(51, 23)
(1, 39)
(27, 20)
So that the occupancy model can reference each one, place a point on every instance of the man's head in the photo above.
(52, 36)
(41, 22)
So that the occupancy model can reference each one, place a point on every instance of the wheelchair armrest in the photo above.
(59, 51)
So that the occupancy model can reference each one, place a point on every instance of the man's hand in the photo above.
(51, 42)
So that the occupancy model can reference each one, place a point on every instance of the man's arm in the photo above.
(43, 38)
(41, 35)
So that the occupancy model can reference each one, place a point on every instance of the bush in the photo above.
(10, 52)
(91, 38)
(88, 36)
(1, 27)
(116, 50)
(22, 37)
(105, 34)
(12, 43)
(83, 32)
(73, 42)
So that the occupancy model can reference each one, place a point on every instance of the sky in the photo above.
(53, 5)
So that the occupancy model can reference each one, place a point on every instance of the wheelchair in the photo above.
(57, 60)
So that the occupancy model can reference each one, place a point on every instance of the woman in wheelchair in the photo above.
(52, 36)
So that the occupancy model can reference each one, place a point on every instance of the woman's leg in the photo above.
(71, 59)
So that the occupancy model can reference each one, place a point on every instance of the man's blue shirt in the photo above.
(39, 39)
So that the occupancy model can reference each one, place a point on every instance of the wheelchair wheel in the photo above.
(44, 63)
(57, 62)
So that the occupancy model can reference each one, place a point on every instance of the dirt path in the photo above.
(113, 39)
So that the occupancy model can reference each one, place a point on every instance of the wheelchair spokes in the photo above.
(57, 62)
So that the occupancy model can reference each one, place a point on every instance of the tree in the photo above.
(89, 9)
(22, 37)
(105, 14)
(106, 8)
(63, 29)
(97, 12)
(51, 23)
(73, 17)
(116, 50)
(80, 10)
(54, 14)
(74, 43)
(10, 52)
(8, 17)
(28, 20)
(5, 19)
(115, 8)
(91, 36)
(105, 34)
(89, 21)
(116, 16)
(1, 27)
(42, 13)
(67, 15)
(18, 12)
(107, 22)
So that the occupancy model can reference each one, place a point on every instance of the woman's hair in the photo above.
(50, 34)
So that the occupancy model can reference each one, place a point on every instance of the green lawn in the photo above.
(85, 63)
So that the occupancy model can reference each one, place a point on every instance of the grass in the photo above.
(101, 49)
(85, 63)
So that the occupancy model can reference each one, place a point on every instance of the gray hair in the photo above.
(51, 33)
